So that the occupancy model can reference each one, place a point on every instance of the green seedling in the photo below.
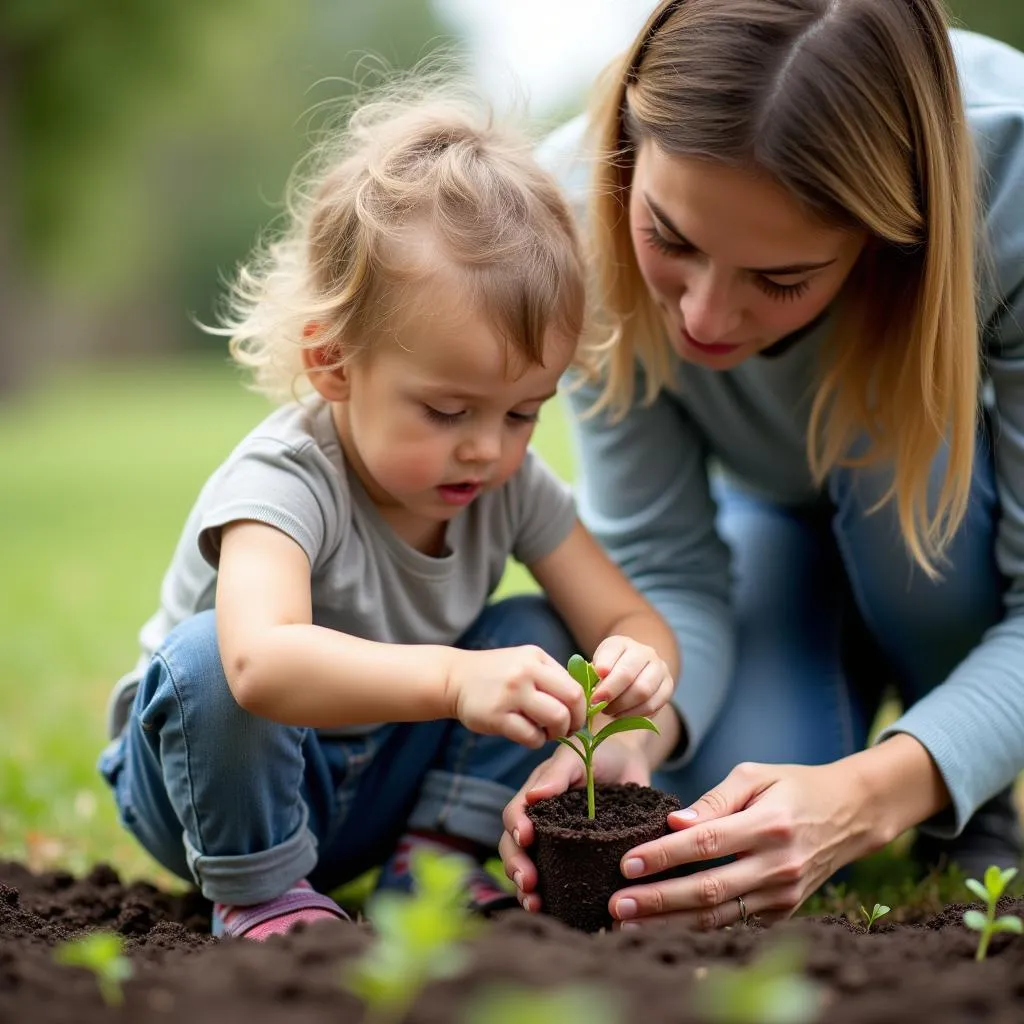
(583, 672)
(988, 924)
(772, 990)
(419, 937)
(880, 910)
(101, 953)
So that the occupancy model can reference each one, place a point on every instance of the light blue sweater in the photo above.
(643, 485)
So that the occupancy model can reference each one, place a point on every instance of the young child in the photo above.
(325, 685)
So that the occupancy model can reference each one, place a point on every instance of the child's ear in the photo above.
(330, 380)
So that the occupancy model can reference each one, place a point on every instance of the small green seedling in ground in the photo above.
(988, 924)
(568, 1005)
(879, 911)
(771, 990)
(101, 953)
(583, 672)
(419, 937)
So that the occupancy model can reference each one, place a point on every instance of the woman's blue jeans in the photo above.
(246, 806)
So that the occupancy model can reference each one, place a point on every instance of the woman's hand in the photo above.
(619, 758)
(789, 826)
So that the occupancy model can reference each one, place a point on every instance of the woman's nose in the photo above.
(708, 311)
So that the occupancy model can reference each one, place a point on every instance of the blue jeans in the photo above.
(830, 610)
(246, 806)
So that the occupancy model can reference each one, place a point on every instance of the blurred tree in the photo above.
(139, 143)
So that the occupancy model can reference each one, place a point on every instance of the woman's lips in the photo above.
(700, 346)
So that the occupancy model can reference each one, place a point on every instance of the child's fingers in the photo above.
(554, 681)
(520, 729)
(645, 708)
(631, 665)
(547, 712)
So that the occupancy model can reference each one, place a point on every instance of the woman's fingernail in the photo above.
(518, 879)
(685, 815)
(629, 924)
(515, 837)
(634, 866)
(625, 908)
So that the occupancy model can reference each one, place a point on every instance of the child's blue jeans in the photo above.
(246, 806)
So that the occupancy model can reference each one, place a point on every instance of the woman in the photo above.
(783, 197)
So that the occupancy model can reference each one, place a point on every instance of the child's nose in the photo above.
(481, 446)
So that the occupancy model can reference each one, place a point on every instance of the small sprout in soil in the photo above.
(418, 937)
(880, 910)
(101, 953)
(571, 1004)
(583, 672)
(771, 990)
(988, 924)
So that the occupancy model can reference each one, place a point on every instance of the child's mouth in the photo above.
(459, 494)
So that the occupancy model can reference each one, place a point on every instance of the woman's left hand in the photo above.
(789, 826)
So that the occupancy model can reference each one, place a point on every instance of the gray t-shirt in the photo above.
(290, 472)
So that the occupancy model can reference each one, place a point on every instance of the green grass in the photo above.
(99, 468)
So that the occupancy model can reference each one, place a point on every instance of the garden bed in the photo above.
(901, 972)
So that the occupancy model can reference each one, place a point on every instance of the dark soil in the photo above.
(578, 858)
(182, 976)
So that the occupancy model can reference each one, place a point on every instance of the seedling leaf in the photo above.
(624, 725)
(975, 919)
(977, 888)
(577, 668)
(102, 954)
(1008, 923)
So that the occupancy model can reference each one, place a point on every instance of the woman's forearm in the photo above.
(314, 676)
(900, 786)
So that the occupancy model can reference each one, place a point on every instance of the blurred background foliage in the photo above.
(144, 146)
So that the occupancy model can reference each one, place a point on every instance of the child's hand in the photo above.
(520, 693)
(634, 680)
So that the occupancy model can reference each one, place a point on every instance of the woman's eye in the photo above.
(446, 419)
(658, 241)
(783, 292)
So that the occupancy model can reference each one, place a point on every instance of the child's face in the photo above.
(435, 417)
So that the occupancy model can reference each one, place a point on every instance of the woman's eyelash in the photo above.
(773, 289)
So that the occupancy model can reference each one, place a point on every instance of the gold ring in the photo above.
(743, 909)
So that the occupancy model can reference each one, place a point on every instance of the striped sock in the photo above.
(259, 921)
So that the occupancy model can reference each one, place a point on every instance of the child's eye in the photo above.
(524, 417)
(446, 419)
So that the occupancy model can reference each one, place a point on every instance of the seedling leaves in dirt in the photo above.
(101, 953)
(987, 923)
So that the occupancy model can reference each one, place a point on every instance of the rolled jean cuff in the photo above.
(255, 877)
(461, 805)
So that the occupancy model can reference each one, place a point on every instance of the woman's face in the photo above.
(731, 259)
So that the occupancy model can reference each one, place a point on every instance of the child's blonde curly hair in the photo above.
(420, 181)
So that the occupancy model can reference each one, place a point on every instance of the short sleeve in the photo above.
(292, 488)
(543, 509)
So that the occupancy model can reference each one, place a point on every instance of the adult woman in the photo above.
(783, 210)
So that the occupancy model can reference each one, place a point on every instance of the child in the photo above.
(325, 683)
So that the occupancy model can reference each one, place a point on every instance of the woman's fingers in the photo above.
(710, 896)
(744, 783)
(704, 841)
(557, 774)
(769, 906)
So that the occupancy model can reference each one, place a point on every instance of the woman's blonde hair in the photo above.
(421, 185)
(854, 107)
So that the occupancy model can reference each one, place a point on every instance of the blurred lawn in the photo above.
(97, 472)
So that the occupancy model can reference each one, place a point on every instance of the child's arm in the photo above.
(281, 666)
(634, 651)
